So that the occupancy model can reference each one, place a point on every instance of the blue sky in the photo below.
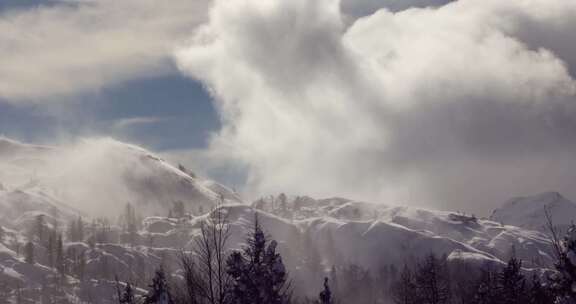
(176, 113)
(161, 110)
(313, 100)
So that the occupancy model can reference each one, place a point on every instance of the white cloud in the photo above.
(48, 52)
(430, 104)
(135, 121)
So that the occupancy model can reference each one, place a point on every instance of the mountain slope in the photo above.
(529, 212)
(100, 176)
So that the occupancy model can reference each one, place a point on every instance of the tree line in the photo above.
(256, 274)
(210, 275)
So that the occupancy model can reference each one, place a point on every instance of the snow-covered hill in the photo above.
(99, 176)
(529, 212)
(61, 184)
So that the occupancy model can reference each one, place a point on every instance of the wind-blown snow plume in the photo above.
(100, 175)
(447, 102)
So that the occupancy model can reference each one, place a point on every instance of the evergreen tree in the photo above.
(403, 291)
(80, 268)
(50, 250)
(565, 249)
(104, 267)
(257, 272)
(29, 249)
(486, 288)
(511, 283)
(125, 296)
(40, 227)
(159, 292)
(80, 229)
(326, 295)
(60, 258)
(128, 295)
(130, 223)
(432, 283)
(76, 230)
(539, 294)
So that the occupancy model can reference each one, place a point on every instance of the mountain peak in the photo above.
(529, 211)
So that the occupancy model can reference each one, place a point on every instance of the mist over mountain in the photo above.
(168, 206)
(287, 151)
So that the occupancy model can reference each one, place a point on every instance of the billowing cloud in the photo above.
(68, 47)
(462, 104)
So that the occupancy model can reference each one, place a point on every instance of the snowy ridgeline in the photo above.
(50, 251)
(38, 246)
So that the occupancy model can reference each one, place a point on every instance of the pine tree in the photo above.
(258, 273)
(125, 296)
(40, 227)
(76, 230)
(486, 288)
(511, 283)
(60, 258)
(128, 295)
(159, 292)
(539, 294)
(326, 295)
(130, 223)
(565, 250)
(80, 266)
(29, 249)
(403, 291)
(104, 267)
(50, 250)
(432, 284)
(79, 229)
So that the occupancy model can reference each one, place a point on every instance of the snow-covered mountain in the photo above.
(529, 212)
(99, 176)
(67, 182)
